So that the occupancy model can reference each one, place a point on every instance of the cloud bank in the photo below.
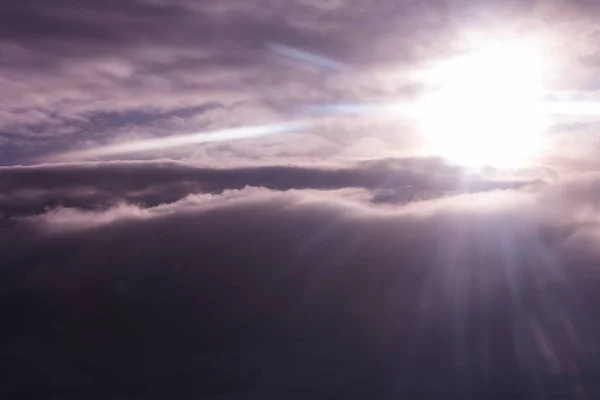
(279, 289)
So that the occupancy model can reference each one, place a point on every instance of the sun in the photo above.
(485, 109)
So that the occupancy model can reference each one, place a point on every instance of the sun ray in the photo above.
(244, 132)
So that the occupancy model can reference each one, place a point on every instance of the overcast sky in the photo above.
(175, 217)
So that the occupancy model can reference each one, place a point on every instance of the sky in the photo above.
(229, 198)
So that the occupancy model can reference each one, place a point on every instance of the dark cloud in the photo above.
(30, 190)
(305, 294)
(224, 23)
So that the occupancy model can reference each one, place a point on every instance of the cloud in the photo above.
(315, 288)
(83, 75)
(322, 264)
(91, 186)
(85, 72)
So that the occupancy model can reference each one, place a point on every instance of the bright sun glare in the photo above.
(486, 109)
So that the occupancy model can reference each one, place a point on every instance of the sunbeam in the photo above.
(306, 57)
(244, 132)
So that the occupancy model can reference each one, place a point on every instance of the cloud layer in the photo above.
(328, 262)
(91, 186)
(300, 289)
(77, 75)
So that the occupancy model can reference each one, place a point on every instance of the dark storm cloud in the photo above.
(30, 190)
(319, 295)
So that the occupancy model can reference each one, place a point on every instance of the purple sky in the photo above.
(312, 257)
